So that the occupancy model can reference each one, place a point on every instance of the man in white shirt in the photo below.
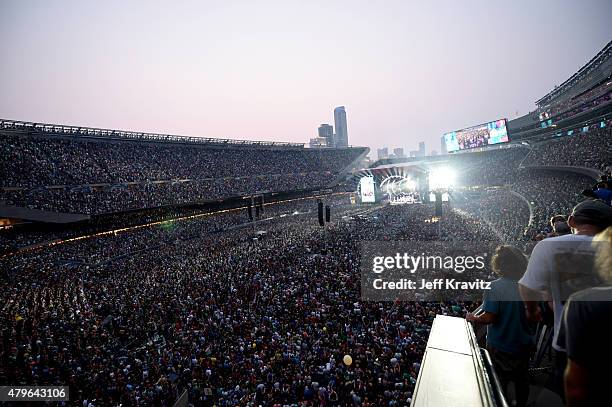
(560, 266)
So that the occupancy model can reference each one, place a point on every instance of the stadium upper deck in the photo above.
(82, 170)
(592, 73)
(581, 100)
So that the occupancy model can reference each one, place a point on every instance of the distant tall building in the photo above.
(341, 139)
(398, 152)
(442, 145)
(327, 132)
(383, 153)
(421, 149)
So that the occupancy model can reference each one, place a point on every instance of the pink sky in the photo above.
(274, 70)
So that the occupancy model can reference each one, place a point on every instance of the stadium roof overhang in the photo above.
(408, 167)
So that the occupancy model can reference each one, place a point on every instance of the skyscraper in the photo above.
(383, 153)
(422, 149)
(398, 152)
(340, 123)
(327, 132)
(442, 145)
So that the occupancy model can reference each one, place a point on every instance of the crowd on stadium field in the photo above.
(14, 239)
(136, 317)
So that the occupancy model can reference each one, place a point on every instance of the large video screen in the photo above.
(366, 188)
(477, 136)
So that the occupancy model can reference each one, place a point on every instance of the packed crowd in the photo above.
(494, 167)
(46, 161)
(550, 193)
(238, 312)
(587, 100)
(591, 149)
(108, 199)
(15, 239)
(139, 316)
(93, 177)
(103, 177)
(505, 211)
(136, 317)
(521, 210)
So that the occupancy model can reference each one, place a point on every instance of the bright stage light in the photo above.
(442, 177)
(410, 185)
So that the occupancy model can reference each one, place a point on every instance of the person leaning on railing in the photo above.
(509, 338)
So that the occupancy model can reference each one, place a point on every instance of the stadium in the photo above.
(146, 269)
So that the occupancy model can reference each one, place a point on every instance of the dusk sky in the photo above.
(274, 70)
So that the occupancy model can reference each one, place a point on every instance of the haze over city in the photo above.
(275, 70)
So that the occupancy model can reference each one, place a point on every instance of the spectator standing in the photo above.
(544, 271)
(509, 339)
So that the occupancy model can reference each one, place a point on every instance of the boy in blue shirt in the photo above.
(509, 339)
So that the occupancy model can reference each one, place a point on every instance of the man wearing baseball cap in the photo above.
(560, 266)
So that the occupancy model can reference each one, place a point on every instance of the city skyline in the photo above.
(406, 72)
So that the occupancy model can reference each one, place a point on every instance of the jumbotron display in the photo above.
(366, 187)
(494, 132)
